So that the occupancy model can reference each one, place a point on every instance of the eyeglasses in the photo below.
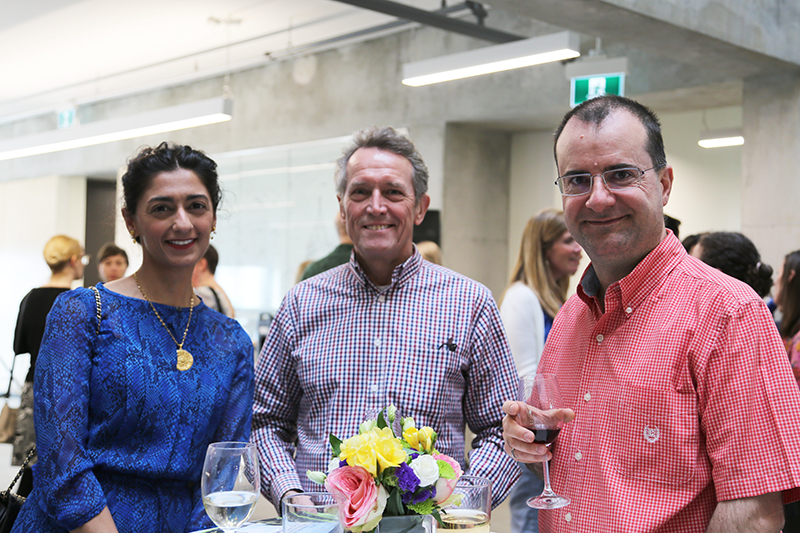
(618, 179)
(85, 258)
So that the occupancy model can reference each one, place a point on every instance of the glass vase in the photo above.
(407, 524)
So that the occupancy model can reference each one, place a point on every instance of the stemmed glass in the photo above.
(541, 392)
(230, 483)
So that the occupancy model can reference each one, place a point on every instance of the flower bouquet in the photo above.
(376, 474)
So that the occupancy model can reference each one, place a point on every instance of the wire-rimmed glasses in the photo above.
(615, 179)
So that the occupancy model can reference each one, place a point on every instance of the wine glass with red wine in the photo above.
(541, 392)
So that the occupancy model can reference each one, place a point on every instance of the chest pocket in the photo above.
(656, 435)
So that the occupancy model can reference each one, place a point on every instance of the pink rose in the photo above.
(445, 487)
(361, 501)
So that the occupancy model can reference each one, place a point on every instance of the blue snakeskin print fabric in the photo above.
(118, 425)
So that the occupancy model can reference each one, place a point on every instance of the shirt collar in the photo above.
(400, 274)
(647, 275)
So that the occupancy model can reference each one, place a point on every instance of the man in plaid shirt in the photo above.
(387, 328)
(686, 414)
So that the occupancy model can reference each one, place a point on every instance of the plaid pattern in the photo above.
(683, 394)
(339, 349)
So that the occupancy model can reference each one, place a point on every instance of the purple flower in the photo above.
(407, 480)
(342, 463)
(422, 495)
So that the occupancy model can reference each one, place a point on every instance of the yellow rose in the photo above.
(359, 451)
(389, 452)
(427, 438)
(410, 436)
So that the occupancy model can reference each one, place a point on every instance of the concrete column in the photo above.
(475, 210)
(770, 185)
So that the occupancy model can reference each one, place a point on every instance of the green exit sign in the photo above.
(588, 87)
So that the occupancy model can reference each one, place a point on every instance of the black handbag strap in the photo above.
(27, 460)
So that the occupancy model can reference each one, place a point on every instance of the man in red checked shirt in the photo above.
(686, 411)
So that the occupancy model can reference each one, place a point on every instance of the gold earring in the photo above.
(213, 231)
(133, 237)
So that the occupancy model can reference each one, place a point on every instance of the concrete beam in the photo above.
(670, 30)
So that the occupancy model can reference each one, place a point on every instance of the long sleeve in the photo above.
(235, 422)
(275, 409)
(523, 319)
(61, 410)
(492, 380)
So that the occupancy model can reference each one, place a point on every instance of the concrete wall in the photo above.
(475, 213)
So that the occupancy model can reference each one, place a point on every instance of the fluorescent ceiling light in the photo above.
(174, 118)
(497, 58)
(721, 138)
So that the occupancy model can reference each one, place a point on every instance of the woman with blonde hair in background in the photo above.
(64, 255)
(548, 256)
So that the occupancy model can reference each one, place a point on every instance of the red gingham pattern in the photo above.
(683, 394)
(339, 349)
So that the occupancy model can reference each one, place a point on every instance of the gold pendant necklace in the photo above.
(185, 359)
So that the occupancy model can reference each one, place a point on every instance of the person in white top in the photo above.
(548, 256)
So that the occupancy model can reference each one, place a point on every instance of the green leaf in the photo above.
(394, 504)
(336, 445)
(445, 470)
(382, 421)
(438, 517)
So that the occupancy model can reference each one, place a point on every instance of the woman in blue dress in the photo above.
(135, 380)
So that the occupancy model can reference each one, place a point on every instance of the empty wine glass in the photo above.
(230, 483)
(541, 392)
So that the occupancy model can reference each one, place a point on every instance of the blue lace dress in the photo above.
(118, 425)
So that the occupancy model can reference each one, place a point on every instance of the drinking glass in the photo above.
(230, 483)
(541, 391)
(310, 512)
(474, 511)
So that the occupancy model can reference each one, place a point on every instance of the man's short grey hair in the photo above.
(384, 139)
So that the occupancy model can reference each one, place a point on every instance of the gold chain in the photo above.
(182, 365)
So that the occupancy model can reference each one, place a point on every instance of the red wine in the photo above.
(544, 435)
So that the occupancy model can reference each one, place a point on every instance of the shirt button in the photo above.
(629, 310)
(373, 388)
(381, 298)
(568, 517)
(587, 396)
(578, 456)
(377, 342)
(599, 338)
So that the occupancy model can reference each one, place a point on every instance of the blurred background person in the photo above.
(737, 256)
(136, 377)
(207, 288)
(673, 224)
(112, 262)
(339, 256)
(66, 259)
(787, 298)
(548, 256)
(691, 241)
(430, 251)
(301, 269)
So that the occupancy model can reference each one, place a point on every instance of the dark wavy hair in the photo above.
(737, 256)
(166, 157)
(789, 297)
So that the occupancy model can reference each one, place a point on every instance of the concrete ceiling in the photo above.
(57, 53)
(61, 52)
